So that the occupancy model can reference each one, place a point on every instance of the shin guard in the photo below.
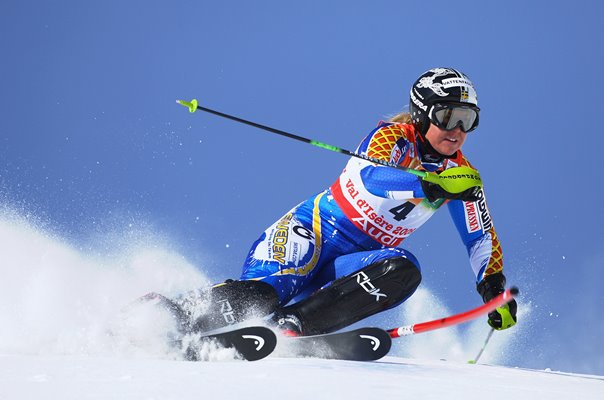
(375, 288)
(227, 303)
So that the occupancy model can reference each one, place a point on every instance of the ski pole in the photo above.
(484, 346)
(453, 180)
(486, 308)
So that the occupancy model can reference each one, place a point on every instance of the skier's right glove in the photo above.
(505, 316)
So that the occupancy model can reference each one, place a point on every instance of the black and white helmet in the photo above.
(438, 86)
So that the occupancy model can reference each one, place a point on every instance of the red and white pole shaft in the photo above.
(486, 308)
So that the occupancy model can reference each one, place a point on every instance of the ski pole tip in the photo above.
(192, 105)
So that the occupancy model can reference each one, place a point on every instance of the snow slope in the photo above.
(81, 378)
(66, 334)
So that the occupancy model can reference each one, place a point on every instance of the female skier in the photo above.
(335, 258)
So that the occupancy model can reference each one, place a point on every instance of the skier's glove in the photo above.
(505, 316)
(434, 192)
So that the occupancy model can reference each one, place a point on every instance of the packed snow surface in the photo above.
(81, 378)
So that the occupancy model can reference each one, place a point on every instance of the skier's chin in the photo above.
(447, 148)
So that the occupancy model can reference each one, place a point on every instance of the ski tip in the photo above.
(251, 343)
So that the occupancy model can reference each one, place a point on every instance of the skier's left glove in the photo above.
(505, 316)
(434, 192)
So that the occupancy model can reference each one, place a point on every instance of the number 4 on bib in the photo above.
(401, 212)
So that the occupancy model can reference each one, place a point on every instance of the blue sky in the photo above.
(92, 142)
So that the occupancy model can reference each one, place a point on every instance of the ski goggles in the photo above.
(450, 116)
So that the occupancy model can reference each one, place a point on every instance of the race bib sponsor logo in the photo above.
(380, 227)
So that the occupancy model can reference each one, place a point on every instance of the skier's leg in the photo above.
(291, 252)
(382, 280)
(277, 268)
(347, 264)
(225, 304)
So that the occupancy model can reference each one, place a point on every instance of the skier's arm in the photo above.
(475, 226)
(389, 142)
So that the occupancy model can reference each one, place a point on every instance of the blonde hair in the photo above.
(401, 118)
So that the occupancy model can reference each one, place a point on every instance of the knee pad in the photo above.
(377, 287)
(390, 281)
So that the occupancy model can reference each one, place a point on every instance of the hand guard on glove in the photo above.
(434, 192)
(505, 316)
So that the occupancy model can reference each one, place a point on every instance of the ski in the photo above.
(251, 343)
(363, 344)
